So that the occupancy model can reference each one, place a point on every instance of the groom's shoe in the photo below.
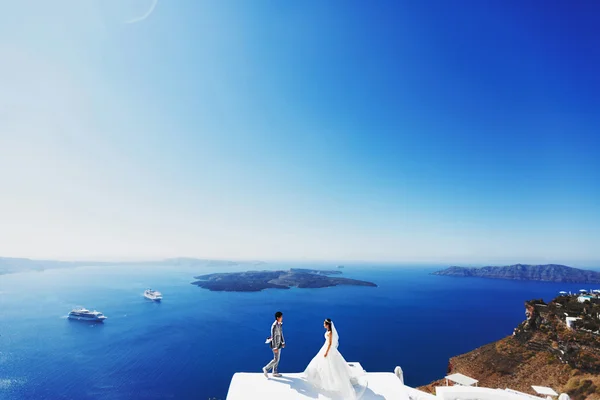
(277, 375)
(265, 372)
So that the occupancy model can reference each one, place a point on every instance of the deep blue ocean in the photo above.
(190, 345)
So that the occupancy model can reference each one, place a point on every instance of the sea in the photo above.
(190, 345)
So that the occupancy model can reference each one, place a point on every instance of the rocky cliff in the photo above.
(543, 350)
(546, 273)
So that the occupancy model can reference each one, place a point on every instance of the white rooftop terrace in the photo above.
(375, 386)
(251, 386)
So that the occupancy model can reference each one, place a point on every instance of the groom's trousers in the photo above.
(275, 361)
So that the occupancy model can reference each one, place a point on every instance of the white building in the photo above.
(570, 321)
(584, 298)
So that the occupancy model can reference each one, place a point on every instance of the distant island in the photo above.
(9, 265)
(524, 272)
(255, 281)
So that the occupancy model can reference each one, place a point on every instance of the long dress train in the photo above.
(332, 373)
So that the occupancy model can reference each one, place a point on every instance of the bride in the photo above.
(328, 370)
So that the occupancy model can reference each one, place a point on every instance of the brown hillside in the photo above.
(542, 351)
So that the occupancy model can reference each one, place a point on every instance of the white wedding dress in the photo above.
(331, 374)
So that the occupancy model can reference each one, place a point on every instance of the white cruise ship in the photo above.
(375, 386)
(153, 295)
(82, 314)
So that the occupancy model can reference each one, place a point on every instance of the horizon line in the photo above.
(588, 263)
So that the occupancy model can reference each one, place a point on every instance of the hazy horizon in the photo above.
(322, 130)
(397, 263)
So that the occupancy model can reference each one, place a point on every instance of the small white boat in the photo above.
(82, 314)
(153, 295)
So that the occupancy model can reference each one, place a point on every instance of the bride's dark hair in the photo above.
(328, 323)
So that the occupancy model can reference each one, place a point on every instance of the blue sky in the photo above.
(435, 131)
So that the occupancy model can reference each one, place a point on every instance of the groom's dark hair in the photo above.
(278, 314)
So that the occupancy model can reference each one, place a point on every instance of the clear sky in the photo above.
(432, 131)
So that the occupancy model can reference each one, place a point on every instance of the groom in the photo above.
(277, 343)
